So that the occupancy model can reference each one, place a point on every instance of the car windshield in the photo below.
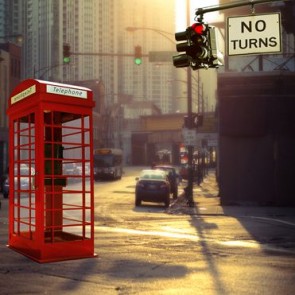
(153, 175)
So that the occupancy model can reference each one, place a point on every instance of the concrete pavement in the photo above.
(20, 275)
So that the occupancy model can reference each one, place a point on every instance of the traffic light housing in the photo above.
(197, 120)
(200, 48)
(137, 55)
(194, 121)
(66, 53)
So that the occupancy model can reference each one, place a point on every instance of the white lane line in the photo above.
(231, 243)
(148, 233)
(273, 219)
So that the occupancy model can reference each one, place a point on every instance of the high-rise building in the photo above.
(101, 48)
(86, 26)
(150, 25)
(100, 44)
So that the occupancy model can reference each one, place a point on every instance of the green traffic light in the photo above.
(66, 59)
(138, 61)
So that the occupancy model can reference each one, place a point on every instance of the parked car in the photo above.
(24, 180)
(152, 186)
(173, 178)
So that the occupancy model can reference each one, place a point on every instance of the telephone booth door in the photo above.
(51, 180)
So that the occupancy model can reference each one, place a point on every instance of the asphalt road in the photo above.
(144, 250)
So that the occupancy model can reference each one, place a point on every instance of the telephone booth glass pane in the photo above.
(67, 206)
(22, 186)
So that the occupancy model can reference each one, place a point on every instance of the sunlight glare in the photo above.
(180, 5)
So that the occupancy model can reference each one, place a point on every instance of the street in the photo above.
(145, 250)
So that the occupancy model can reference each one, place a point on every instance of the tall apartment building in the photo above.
(101, 46)
(151, 25)
(99, 26)
(10, 61)
(84, 25)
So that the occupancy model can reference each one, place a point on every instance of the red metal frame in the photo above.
(51, 171)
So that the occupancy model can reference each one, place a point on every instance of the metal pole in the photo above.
(189, 189)
(201, 11)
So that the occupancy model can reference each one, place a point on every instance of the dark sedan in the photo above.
(152, 186)
(173, 178)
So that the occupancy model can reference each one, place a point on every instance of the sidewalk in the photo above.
(207, 202)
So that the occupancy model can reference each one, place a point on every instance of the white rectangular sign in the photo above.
(254, 34)
(189, 136)
(20, 96)
(67, 91)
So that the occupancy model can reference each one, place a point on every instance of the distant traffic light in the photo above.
(200, 47)
(137, 55)
(66, 53)
(197, 120)
(194, 121)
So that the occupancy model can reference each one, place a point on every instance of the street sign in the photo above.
(254, 34)
(161, 56)
(189, 136)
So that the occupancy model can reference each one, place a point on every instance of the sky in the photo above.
(181, 23)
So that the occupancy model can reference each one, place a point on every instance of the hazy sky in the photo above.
(181, 23)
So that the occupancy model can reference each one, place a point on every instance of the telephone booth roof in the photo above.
(31, 92)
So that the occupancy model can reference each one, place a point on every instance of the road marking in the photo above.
(148, 233)
(273, 219)
(231, 243)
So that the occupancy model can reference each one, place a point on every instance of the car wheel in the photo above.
(137, 201)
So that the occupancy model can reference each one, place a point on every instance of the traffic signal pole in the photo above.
(201, 11)
(190, 149)
(106, 54)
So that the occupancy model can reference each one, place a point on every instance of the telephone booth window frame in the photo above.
(22, 185)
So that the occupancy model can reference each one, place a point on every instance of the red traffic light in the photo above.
(199, 28)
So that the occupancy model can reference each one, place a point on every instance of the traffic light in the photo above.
(197, 120)
(194, 121)
(184, 59)
(200, 38)
(66, 53)
(137, 55)
(200, 47)
(216, 58)
(187, 123)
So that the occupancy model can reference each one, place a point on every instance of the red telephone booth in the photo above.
(51, 212)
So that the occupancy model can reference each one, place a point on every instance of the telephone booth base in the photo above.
(55, 253)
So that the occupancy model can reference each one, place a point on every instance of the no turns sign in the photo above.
(254, 34)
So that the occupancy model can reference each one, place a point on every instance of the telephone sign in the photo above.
(254, 34)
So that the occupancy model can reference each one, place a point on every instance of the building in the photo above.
(256, 100)
(10, 70)
(102, 49)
